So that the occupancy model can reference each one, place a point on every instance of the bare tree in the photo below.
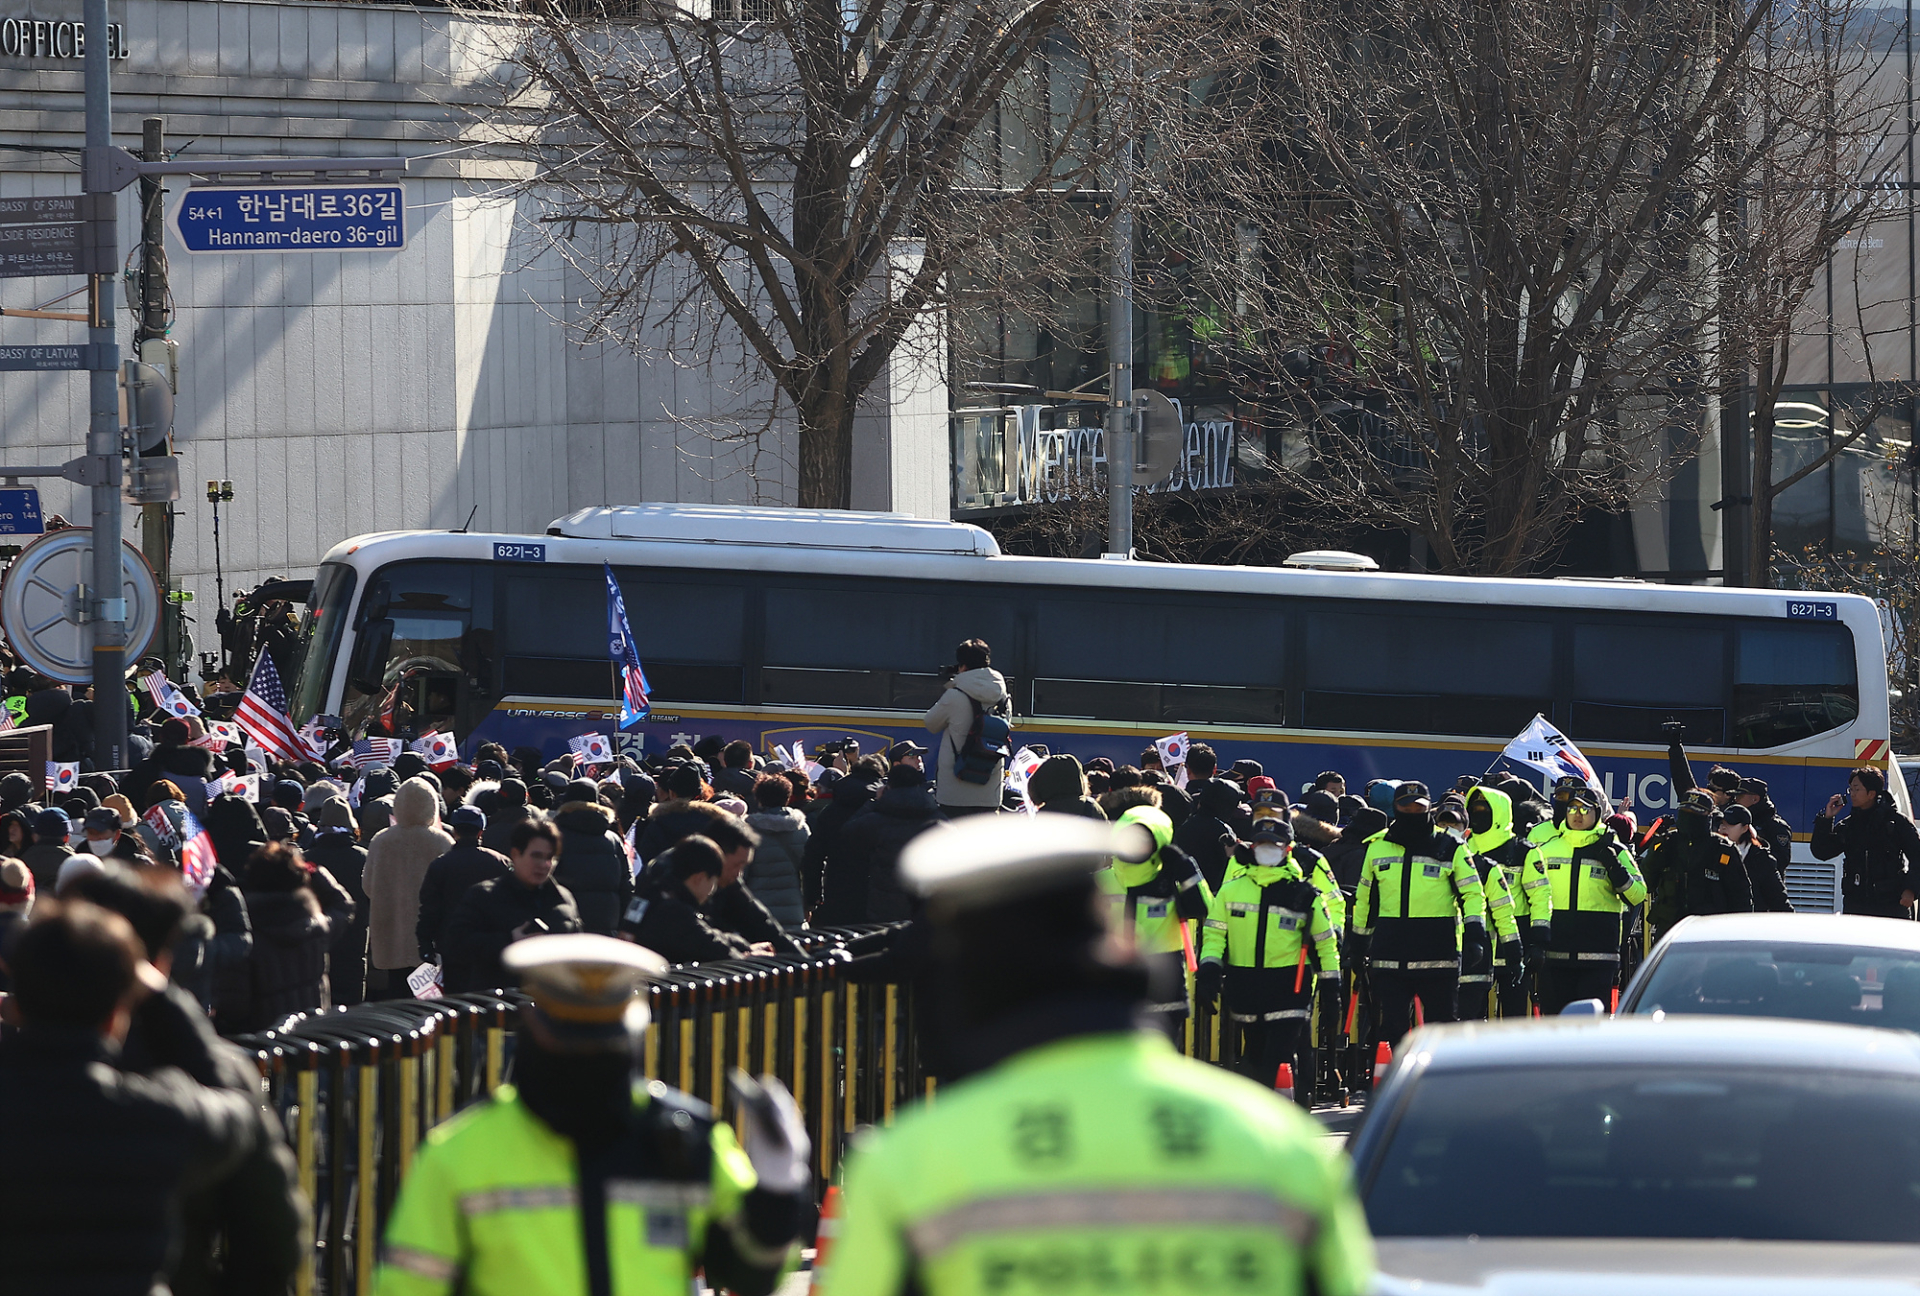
(1490, 255)
(813, 181)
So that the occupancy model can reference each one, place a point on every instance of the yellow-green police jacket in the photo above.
(1294, 916)
(1100, 1163)
(1149, 913)
(491, 1207)
(1521, 865)
(1593, 880)
(1412, 900)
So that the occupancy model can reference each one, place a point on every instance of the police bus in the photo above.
(782, 626)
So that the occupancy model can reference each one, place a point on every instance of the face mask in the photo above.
(1268, 853)
(1456, 832)
(1480, 818)
(100, 847)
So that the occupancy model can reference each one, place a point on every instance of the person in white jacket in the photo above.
(951, 719)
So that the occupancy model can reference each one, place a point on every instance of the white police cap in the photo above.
(987, 859)
(588, 988)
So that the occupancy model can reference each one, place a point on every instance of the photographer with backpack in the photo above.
(973, 720)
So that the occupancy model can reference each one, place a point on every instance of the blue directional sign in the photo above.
(20, 512)
(292, 218)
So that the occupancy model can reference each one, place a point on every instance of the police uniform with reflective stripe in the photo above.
(1520, 868)
(1265, 927)
(1106, 1163)
(1592, 882)
(496, 1204)
(1148, 903)
(1500, 914)
(1412, 900)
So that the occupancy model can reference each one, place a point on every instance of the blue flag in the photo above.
(620, 647)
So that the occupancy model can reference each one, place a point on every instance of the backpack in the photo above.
(985, 746)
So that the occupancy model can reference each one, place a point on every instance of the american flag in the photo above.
(197, 857)
(634, 706)
(167, 697)
(263, 713)
(369, 752)
(6, 720)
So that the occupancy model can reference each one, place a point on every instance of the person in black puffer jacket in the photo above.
(336, 850)
(187, 768)
(513, 810)
(1882, 850)
(290, 936)
(149, 770)
(862, 883)
(593, 860)
(494, 913)
(449, 877)
(848, 798)
(1208, 835)
(1347, 855)
(677, 815)
(236, 830)
(664, 914)
(1059, 786)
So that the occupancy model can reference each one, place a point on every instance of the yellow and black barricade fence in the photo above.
(359, 1088)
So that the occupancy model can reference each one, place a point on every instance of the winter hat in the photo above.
(1260, 783)
(489, 769)
(123, 807)
(164, 790)
(277, 822)
(1321, 807)
(733, 805)
(336, 813)
(407, 764)
(175, 733)
(288, 794)
(513, 792)
(582, 790)
(52, 823)
(321, 792)
(1058, 778)
(15, 790)
(467, 818)
(684, 781)
(1349, 806)
(16, 887)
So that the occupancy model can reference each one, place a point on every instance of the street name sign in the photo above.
(292, 218)
(53, 236)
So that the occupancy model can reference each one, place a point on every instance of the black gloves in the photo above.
(1475, 957)
(1207, 982)
(1513, 965)
(1359, 948)
(1617, 874)
(1537, 937)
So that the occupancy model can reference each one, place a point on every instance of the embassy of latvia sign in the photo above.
(292, 218)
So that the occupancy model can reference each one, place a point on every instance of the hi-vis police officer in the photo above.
(1592, 882)
(1153, 900)
(580, 1180)
(1496, 849)
(1419, 915)
(1476, 986)
(1080, 1153)
(1269, 940)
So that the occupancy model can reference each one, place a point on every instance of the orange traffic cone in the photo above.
(823, 1240)
(1382, 1059)
(1283, 1081)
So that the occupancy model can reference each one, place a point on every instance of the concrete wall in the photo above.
(344, 392)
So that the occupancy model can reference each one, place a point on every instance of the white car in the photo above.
(1676, 1156)
(1819, 967)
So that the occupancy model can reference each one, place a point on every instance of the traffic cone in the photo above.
(1382, 1059)
(1283, 1081)
(823, 1239)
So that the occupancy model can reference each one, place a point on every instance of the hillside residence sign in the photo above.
(42, 38)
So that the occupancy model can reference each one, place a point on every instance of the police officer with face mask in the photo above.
(1268, 941)
(1419, 915)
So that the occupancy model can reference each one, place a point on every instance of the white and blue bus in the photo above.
(780, 625)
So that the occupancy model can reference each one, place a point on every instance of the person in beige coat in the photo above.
(951, 718)
(397, 862)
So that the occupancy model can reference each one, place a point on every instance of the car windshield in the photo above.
(1653, 1152)
(1830, 983)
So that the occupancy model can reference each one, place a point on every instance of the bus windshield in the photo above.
(320, 631)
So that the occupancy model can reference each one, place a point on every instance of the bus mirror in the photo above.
(369, 665)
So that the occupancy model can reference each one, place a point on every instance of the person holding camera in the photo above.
(1880, 844)
(969, 783)
(495, 913)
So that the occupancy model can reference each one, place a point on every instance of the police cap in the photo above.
(1698, 802)
(1410, 792)
(1271, 828)
(587, 990)
(986, 860)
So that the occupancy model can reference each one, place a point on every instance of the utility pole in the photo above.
(150, 344)
(107, 599)
(1120, 447)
